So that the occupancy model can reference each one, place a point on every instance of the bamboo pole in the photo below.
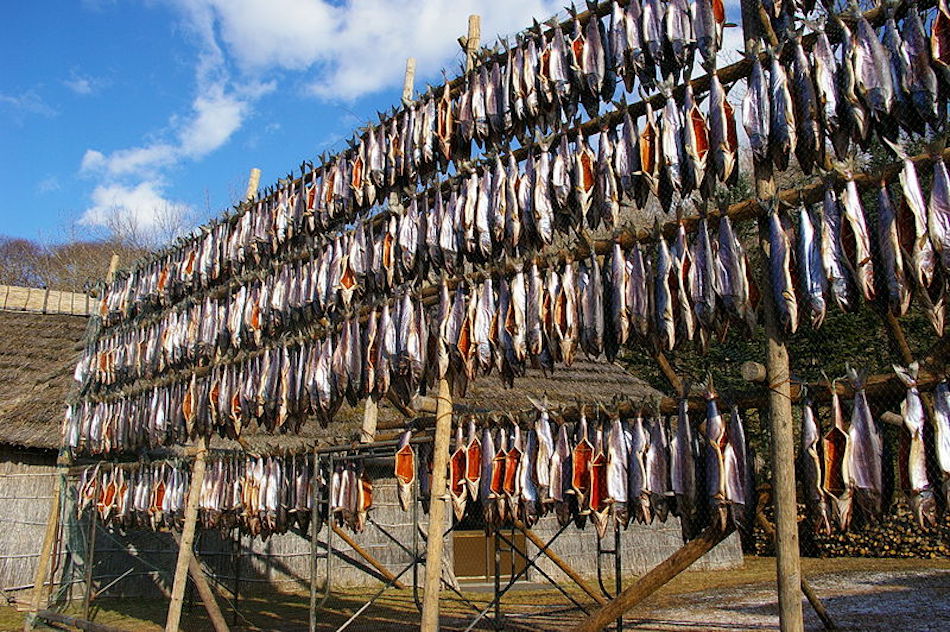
(409, 81)
(204, 591)
(113, 268)
(187, 540)
(385, 572)
(654, 580)
(473, 41)
(560, 563)
(437, 510)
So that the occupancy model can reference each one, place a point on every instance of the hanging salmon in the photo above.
(836, 451)
(618, 459)
(866, 451)
(486, 483)
(714, 431)
(942, 435)
(597, 499)
(581, 457)
(636, 471)
(457, 472)
(561, 472)
(683, 470)
(810, 274)
(913, 453)
(780, 272)
(889, 249)
(810, 472)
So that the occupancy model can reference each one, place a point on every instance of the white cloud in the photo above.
(28, 102)
(84, 85)
(356, 48)
(48, 185)
(143, 207)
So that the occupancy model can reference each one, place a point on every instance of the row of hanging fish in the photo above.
(260, 495)
(840, 258)
(879, 80)
(638, 469)
(841, 471)
(149, 496)
(541, 79)
(502, 210)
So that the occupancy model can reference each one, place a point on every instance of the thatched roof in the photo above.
(38, 353)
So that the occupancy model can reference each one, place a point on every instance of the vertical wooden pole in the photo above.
(90, 556)
(788, 565)
(370, 414)
(409, 82)
(113, 268)
(437, 510)
(473, 41)
(253, 180)
(204, 592)
(187, 539)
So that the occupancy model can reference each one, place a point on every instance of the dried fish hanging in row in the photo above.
(638, 469)
(535, 86)
(260, 495)
(880, 80)
(149, 496)
(842, 470)
(839, 258)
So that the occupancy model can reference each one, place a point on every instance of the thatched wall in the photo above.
(26, 483)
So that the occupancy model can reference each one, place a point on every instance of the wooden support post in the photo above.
(437, 510)
(187, 540)
(561, 564)
(473, 41)
(385, 572)
(675, 381)
(409, 81)
(654, 580)
(253, 180)
(788, 565)
(49, 541)
(113, 268)
(370, 413)
(74, 622)
(204, 591)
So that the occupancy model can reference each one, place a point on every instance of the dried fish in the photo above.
(811, 474)
(780, 272)
(811, 276)
(913, 469)
(865, 451)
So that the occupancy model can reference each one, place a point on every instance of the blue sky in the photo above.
(145, 109)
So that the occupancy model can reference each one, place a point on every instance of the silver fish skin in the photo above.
(566, 314)
(594, 60)
(638, 292)
(853, 214)
(619, 313)
(529, 77)
(533, 311)
(942, 434)
(707, 28)
(921, 79)
(810, 274)
(652, 29)
(605, 190)
(483, 226)
(561, 174)
(740, 480)
(938, 216)
(921, 255)
(684, 282)
(635, 58)
(808, 132)
(871, 69)
(832, 259)
(546, 451)
(683, 468)
(484, 483)
(782, 130)
(658, 468)
(898, 68)
(529, 505)
(481, 330)
(705, 285)
(671, 135)
(825, 72)
(558, 72)
(638, 498)
(479, 109)
(663, 298)
(810, 471)
(513, 226)
(543, 209)
(898, 289)
(679, 32)
(852, 109)
(561, 473)
(733, 274)
(917, 486)
(515, 321)
(780, 273)
(618, 460)
(499, 202)
(590, 287)
(617, 48)
(866, 450)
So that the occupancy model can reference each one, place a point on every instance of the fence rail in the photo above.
(45, 301)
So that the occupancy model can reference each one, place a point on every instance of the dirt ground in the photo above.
(886, 595)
